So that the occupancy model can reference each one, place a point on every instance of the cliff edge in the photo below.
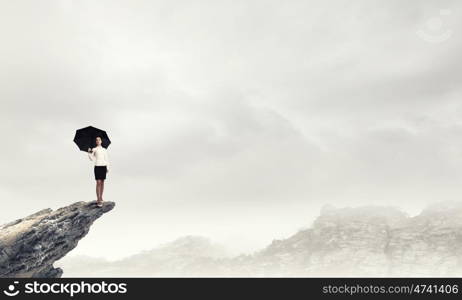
(29, 246)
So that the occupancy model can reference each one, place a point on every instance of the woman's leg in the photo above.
(98, 189)
(101, 189)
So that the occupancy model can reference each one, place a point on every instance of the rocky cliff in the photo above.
(29, 246)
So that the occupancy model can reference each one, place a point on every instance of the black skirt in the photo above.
(100, 172)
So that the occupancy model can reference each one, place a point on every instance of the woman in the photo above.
(100, 157)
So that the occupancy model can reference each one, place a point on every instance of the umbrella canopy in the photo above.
(86, 138)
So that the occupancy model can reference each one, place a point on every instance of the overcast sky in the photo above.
(236, 120)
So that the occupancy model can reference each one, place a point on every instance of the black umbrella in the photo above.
(86, 138)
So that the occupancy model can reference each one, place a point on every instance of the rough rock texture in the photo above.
(29, 246)
(429, 244)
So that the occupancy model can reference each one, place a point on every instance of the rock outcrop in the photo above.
(29, 246)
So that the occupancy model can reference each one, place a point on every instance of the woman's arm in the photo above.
(91, 154)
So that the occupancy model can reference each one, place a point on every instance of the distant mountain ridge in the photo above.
(190, 254)
(374, 241)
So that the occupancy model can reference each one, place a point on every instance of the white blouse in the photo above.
(99, 156)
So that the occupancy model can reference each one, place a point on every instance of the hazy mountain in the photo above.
(189, 255)
(362, 241)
